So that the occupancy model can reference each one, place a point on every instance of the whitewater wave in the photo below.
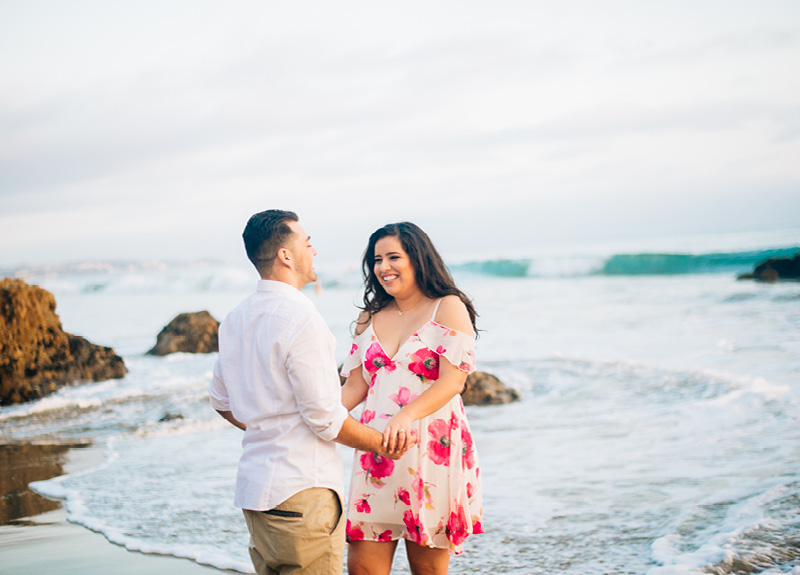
(79, 511)
(756, 534)
(220, 277)
(156, 277)
(625, 264)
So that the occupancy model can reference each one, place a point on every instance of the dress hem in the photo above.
(450, 549)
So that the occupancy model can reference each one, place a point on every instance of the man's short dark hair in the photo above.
(266, 233)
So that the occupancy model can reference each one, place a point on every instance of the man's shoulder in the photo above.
(290, 308)
(295, 305)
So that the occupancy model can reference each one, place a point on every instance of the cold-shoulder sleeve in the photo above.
(353, 359)
(456, 346)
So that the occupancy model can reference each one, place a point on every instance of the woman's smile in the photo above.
(392, 266)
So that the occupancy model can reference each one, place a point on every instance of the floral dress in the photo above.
(431, 495)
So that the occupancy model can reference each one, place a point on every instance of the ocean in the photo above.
(658, 431)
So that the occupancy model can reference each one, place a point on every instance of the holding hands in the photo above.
(399, 435)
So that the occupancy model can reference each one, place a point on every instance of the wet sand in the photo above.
(35, 536)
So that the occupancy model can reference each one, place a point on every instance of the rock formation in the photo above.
(188, 332)
(775, 269)
(485, 389)
(36, 355)
(481, 389)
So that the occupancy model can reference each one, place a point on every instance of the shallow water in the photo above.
(659, 430)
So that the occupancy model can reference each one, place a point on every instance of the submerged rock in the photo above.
(485, 389)
(775, 269)
(195, 332)
(36, 355)
(169, 416)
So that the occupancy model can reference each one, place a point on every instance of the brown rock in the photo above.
(36, 355)
(485, 389)
(775, 269)
(481, 389)
(189, 332)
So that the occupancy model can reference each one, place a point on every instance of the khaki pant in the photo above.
(303, 535)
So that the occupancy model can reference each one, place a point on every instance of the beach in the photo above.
(657, 431)
(35, 536)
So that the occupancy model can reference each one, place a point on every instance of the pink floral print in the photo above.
(403, 495)
(362, 505)
(467, 452)
(353, 532)
(403, 397)
(425, 364)
(432, 495)
(415, 529)
(422, 491)
(439, 445)
(376, 468)
(457, 526)
(385, 536)
(376, 359)
(477, 525)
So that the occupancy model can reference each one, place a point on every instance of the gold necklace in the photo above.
(400, 312)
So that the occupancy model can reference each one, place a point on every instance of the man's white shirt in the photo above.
(276, 373)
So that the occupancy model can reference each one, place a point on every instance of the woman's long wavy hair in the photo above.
(431, 274)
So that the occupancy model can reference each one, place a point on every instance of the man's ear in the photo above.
(284, 256)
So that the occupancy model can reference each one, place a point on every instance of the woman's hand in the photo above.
(399, 436)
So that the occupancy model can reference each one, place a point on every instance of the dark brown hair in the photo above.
(430, 272)
(266, 233)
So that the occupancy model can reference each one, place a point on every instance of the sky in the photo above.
(141, 130)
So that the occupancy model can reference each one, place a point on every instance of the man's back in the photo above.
(276, 373)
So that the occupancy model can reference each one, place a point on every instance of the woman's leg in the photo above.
(370, 557)
(427, 560)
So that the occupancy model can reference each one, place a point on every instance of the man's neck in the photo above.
(285, 277)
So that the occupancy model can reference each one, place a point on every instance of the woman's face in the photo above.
(393, 267)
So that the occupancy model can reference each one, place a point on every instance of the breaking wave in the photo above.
(626, 264)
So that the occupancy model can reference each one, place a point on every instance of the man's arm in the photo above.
(311, 369)
(229, 416)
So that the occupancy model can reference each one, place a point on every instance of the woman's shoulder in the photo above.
(362, 322)
(453, 313)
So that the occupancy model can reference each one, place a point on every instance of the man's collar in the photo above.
(276, 286)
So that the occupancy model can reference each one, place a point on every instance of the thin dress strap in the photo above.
(433, 317)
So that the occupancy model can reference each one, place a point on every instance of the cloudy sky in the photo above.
(154, 129)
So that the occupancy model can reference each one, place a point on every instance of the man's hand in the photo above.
(229, 417)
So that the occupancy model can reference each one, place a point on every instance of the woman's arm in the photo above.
(452, 313)
(355, 388)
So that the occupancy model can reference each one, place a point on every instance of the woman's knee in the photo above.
(427, 560)
(370, 558)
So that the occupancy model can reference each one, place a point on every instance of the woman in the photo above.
(413, 316)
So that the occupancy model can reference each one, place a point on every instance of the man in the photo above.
(276, 379)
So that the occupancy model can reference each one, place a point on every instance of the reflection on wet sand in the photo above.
(22, 463)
